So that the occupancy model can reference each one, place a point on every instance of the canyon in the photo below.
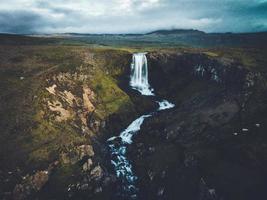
(82, 122)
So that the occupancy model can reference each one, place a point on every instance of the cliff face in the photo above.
(57, 103)
(178, 70)
(212, 144)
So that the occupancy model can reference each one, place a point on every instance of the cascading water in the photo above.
(139, 74)
(118, 144)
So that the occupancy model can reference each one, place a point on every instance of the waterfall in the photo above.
(118, 144)
(139, 74)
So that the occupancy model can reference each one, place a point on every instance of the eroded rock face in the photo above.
(61, 113)
(205, 147)
(77, 153)
(71, 100)
(177, 70)
(62, 107)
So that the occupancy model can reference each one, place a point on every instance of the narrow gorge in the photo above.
(118, 144)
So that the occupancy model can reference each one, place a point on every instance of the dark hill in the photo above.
(176, 31)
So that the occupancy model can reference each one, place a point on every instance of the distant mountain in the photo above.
(158, 32)
(176, 31)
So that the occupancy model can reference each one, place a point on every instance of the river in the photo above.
(118, 144)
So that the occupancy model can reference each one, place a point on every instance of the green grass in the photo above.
(111, 98)
(250, 58)
(30, 136)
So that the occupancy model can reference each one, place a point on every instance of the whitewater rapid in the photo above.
(118, 144)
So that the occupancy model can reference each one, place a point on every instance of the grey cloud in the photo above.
(207, 15)
(49, 6)
(20, 22)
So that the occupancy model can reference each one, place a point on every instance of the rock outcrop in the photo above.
(208, 146)
(62, 104)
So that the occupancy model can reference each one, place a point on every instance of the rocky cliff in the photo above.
(212, 145)
(57, 103)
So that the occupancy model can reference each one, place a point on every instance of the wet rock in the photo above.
(97, 173)
(163, 174)
(84, 186)
(206, 193)
(190, 161)
(98, 190)
(109, 180)
(117, 141)
(151, 149)
(160, 191)
(106, 181)
(140, 145)
(212, 192)
(151, 175)
(171, 135)
(103, 124)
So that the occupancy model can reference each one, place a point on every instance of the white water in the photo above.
(118, 144)
(164, 104)
(122, 166)
(128, 133)
(139, 74)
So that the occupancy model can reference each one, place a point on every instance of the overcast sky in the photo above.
(131, 16)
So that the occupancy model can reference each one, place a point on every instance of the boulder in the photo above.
(87, 165)
(85, 150)
(97, 173)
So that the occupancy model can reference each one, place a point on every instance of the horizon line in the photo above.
(130, 33)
